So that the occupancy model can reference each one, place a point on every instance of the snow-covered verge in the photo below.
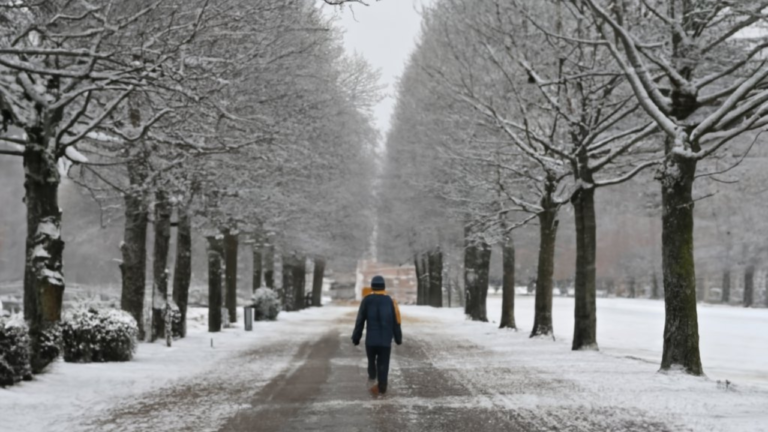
(584, 383)
(733, 340)
(78, 396)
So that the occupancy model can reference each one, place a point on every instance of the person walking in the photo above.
(382, 314)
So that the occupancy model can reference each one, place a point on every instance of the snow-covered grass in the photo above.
(68, 394)
(733, 340)
(510, 371)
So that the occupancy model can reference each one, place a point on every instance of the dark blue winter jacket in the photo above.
(383, 317)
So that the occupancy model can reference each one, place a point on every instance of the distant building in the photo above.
(400, 280)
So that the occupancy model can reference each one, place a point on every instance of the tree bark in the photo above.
(542, 322)
(508, 284)
(287, 291)
(419, 282)
(435, 258)
(726, 297)
(269, 266)
(483, 271)
(425, 280)
(585, 313)
(749, 285)
(43, 273)
(182, 275)
(681, 329)
(631, 287)
(655, 294)
(257, 270)
(470, 273)
(134, 247)
(230, 258)
(299, 282)
(317, 282)
(160, 263)
(215, 263)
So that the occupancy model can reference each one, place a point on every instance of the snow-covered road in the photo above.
(303, 374)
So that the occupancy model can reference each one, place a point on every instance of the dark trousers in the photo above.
(378, 364)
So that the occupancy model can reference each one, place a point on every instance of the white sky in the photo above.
(385, 33)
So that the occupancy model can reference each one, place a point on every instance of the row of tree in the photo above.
(510, 111)
(239, 120)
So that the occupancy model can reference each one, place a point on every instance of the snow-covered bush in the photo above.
(98, 335)
(266, 305)
(14, 351)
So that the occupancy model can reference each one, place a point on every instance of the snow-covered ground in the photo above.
(478, 368)
(541, 378)
(733, 340)
(67, 394)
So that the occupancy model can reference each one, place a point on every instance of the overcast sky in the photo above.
(385, 33)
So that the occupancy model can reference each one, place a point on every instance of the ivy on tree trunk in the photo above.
(160, 263)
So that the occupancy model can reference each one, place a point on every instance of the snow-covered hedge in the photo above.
(14, 351)
(266, 305)
(98, 335)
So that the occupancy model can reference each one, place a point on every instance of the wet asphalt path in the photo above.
(430, 390)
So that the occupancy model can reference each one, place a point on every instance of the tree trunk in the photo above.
(435, 258)
(269, 266)
(542, 322)
(508, 284)
(43, 273)
(287, 291)
(585, 325)
(134, 246)
(749, 286)
(655, 294)
(419, 283)
(631, 287)
(726, 298)
(426, 284)
(470, 273)
(215, 263)
(182, 275)
(160, 264)
(230, 257)
(299, 282)
(681, 329)
(482, 270)
(256, 266)
(317, 282)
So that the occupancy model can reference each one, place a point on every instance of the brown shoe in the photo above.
(374, 390)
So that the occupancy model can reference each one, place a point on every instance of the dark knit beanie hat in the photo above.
(377, 283)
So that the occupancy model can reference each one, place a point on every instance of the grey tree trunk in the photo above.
(726, 298)
(43, 273)
(160, 263)
(419, 282)
(542, 321)
(655, 294)
(749, 285)
(585, 325)
(483, 271)
(632, 287)
(435, 258)
(269, 266)
(230, 258)
(470, 275)
(681, 328)
(508, 284)
(287, 291)
(257, 270)
(317, 282)
(182, 275)
(426, 284)
(215, 264)
(134, 247)
(299, 282)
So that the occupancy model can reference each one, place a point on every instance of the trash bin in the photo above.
(248, 318)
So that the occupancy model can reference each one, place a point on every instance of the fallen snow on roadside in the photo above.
(733, 340)
(581, 384)
(75, 397)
